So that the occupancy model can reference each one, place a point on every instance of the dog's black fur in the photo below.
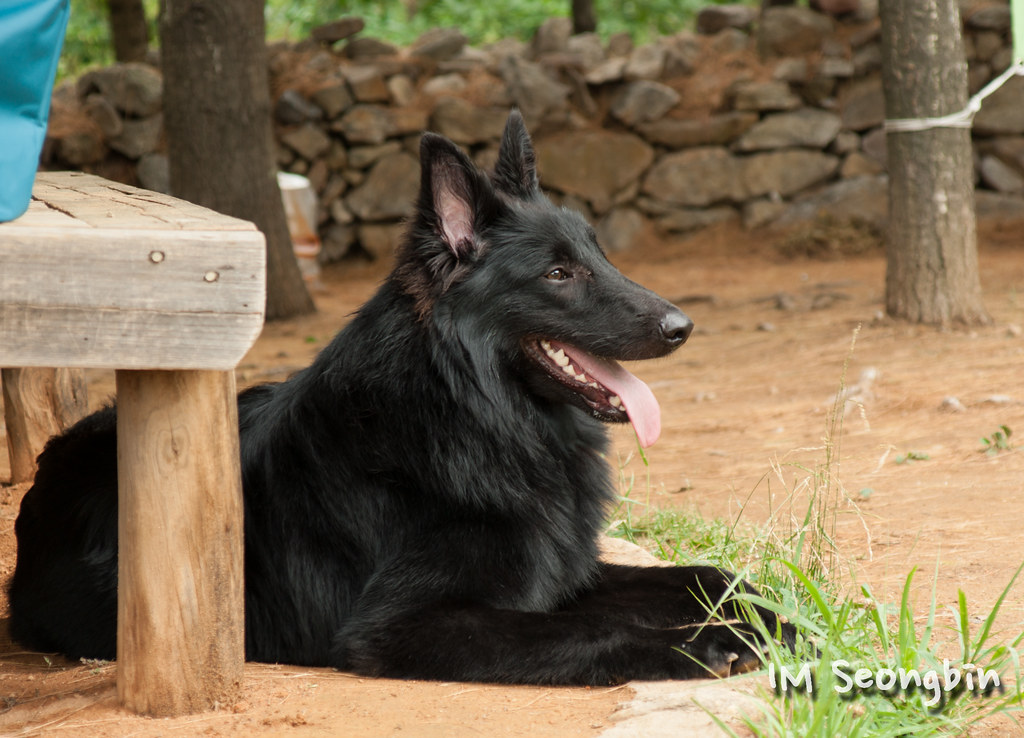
(424, 501)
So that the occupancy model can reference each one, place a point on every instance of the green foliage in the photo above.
(481, 22)
(998, 441)
(912, 456)
(88, 39)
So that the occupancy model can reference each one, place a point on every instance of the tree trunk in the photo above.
(932, 269)
(584, 16)
(219, 134)
(128, 29)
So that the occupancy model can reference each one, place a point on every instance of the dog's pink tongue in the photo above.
(640, 403)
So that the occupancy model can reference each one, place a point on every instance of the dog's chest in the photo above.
(558, 544)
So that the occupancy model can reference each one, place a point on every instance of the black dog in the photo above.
(424, 500)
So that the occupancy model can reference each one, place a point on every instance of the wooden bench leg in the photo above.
(180, 602)
(38, 403)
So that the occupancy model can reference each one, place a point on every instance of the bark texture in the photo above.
(584, 16)
(932, 258)
(128, 30)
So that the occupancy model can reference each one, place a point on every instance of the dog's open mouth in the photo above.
(611, 392)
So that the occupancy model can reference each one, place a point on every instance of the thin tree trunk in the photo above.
(932, 268)
(128, 30)
(584, 16)
(219, 134)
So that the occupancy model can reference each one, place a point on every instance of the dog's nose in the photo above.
(676, 328)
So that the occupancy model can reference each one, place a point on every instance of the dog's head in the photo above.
(495, 266)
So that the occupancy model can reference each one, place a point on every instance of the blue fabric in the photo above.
(31, 36)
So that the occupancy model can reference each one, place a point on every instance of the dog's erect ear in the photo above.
(516, 171)
(456, 202)
(450, 189)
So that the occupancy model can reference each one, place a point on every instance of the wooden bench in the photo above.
(171, 296)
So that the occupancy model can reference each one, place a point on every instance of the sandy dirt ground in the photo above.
(745, 407)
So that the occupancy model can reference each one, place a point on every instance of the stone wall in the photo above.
(761, 118)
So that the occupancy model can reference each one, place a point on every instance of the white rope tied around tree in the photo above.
(963, 118)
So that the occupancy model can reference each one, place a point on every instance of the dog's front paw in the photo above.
(722, 649)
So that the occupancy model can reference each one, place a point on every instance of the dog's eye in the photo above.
(557, 275)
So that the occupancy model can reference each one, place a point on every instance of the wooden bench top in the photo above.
(104, 275)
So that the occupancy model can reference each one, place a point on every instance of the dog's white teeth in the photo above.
(615, 401)
(563, 361)
(558, 357)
